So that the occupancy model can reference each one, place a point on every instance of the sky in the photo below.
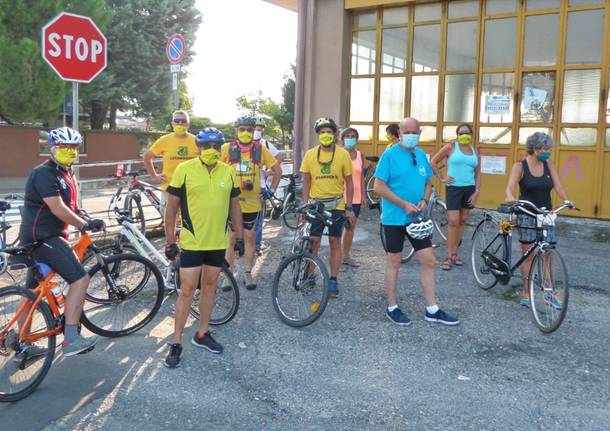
(222, 68)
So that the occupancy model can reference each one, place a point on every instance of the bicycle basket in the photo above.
(545, 227)
(497, 267)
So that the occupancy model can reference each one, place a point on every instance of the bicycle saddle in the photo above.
(4, 206)
(373, 159)
(25, 250)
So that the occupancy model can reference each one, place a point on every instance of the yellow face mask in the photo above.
(464, 139)
(326, 139)
(180, 129)
(66, 156)
(245, 137)
(210, 156)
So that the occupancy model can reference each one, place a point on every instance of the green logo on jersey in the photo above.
(183, 151)
(325, 169)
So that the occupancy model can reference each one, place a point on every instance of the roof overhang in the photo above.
(286, 4)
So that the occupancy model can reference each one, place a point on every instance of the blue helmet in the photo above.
(209, 134)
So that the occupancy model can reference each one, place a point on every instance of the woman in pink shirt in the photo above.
(349, 138)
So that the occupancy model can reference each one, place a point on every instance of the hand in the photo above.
(410, 208)
(447, 180)
(240, 247)
(171, 251)
(351, 217)
(159, 179)
(510, 199)
(472, 200)
(422, 205)
(94, 225)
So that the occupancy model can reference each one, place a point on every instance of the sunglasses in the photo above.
(410, 133)
(206, 145)
(414, 159)
(245, 129)
(180, 120)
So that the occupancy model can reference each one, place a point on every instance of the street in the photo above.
(353, 369)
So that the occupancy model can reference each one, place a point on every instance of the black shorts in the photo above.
(357, 208)
(336, 230)
(457, 197)
(395, 239)
(196, 258)
(249, 221)
(57, 253)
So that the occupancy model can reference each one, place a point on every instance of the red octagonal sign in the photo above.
(74, 47)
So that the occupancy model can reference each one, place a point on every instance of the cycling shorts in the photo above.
(249, 221)
(395, 239)
(336, 230)
(196, 258)
(57, 253)
(457, 197)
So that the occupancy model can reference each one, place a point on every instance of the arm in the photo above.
(557, 182)
(62, 212)
(475, 196)
(171, 212)
(236, 217)
(306, 186)
(363, 187)
(150, 168)
(382, 189)
(277, 176)
(515, 175)
(442, 154)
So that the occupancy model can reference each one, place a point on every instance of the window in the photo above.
(607, 137)
(391, 99)
(496, 7)
(542, 4)
(461, 9)
(541, 34)
(428, 12)
(428, 135)
(363, 53)
(578, 137)
(580, 96)
(495, 135)
(497, 98)
(361, 99)
(424, 97)
(462, 45)
(585, 36)
(585, 2)
(426, 48)
(459, 98)
(397, 15)
(524, 132)
(394, 50)
(500, 42)
(365, 131)
(365, 19)
(538, 97)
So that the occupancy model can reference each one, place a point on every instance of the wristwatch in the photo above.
(349, 208)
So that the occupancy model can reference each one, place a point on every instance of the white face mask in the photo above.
(257, 135)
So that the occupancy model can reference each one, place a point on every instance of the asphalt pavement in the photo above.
(353, 368)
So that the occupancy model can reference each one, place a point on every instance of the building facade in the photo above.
(508, 67)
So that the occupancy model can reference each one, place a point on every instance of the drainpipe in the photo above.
(300, 85)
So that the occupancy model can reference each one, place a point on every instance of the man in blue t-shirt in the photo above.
(403, 180)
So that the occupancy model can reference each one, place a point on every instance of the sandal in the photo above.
(350, 262)
(455, 259)
(446, 265)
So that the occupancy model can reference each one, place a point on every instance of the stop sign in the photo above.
(74, 47)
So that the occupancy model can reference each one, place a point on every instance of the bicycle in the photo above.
(133, 199)
(491, 260)
(131, 239)
(287, 205)
(5, 205)
(33, 317)
(301, 297)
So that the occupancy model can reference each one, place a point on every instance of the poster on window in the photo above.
(493, 165)
(497, 105)
(533, 98)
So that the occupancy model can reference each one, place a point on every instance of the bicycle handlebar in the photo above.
(14, 197)
(529, 208)
(315, 211)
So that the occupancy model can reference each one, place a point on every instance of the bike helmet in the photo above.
(325, 122)
(65, 136)
(259, 121)
(209, 134)
(245, 120)
(420, 229)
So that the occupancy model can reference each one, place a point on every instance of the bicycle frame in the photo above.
(148, 190)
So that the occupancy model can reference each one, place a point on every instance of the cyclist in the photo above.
(175, 148)
(392, 135)
(402, 179)
(327, 174)
(259, 129)
(248, 158)
(536, 176)
(462, 186)
(50, 206)
(349, 138)
(206, 190)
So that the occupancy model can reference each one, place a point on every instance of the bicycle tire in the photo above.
(157, 290)
(548, 302)
(370, 191)
(291, 217)
(438, 214)
(232, 292)
(480, 240)
(44, 309)
(321, 306)
(133, 204)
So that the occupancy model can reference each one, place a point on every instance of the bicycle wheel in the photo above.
(438, 214)
(19, 377)
(484, 233)
(300, 289)
(124, 302)
(226, 302)
(549, 289)
(133, 204)
(291, 217)
(372, 197)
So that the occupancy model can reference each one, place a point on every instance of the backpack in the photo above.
(256, 153)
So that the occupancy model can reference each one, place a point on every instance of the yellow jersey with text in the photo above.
(174, 150)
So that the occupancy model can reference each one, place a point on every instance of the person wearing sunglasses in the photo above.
(248, 158)
(403, 180)
(462, 185)
(175, 148)
(207, 191)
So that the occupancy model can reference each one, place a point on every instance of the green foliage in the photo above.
(198, 123)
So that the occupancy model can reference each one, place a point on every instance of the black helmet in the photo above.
(245, 120)
(325, 122)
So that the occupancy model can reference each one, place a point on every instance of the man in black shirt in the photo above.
(50, 207)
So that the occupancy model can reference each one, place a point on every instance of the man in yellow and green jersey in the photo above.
(248, 158)
(206, 191)
(327, 172)
(175, 148)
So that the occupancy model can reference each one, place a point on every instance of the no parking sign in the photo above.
(175, 48)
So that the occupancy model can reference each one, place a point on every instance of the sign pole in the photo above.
(75, 105)
(175, 82)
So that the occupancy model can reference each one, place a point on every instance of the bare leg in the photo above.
(348, 238)
(249, 239)
(207, 297)
(392, 269)
(335, 255)
(525, 267)
(230, 253)
(73, 307)
(453, 232)
(189, 279)
(428, 262)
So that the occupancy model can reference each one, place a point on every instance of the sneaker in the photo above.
(441, 317)
(207, 342)
(398, 317)
(249, 281)
(30, 352)
(333, 290)
(79, 345)
(173, 357)
(553, 301)
(525, 301)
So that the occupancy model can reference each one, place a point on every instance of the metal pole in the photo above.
(175, 86)
(75, 105)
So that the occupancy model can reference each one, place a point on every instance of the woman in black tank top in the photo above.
(536, 176)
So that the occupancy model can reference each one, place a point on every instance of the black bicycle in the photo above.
(5, 206)
(287, 205)
(133, 199)
(548, 276)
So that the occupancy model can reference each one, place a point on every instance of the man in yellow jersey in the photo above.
(327, 172)
(175, 148)
(206, 191)
(248, 158)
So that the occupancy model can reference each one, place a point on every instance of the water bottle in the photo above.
(59, 296)
(120, 170)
